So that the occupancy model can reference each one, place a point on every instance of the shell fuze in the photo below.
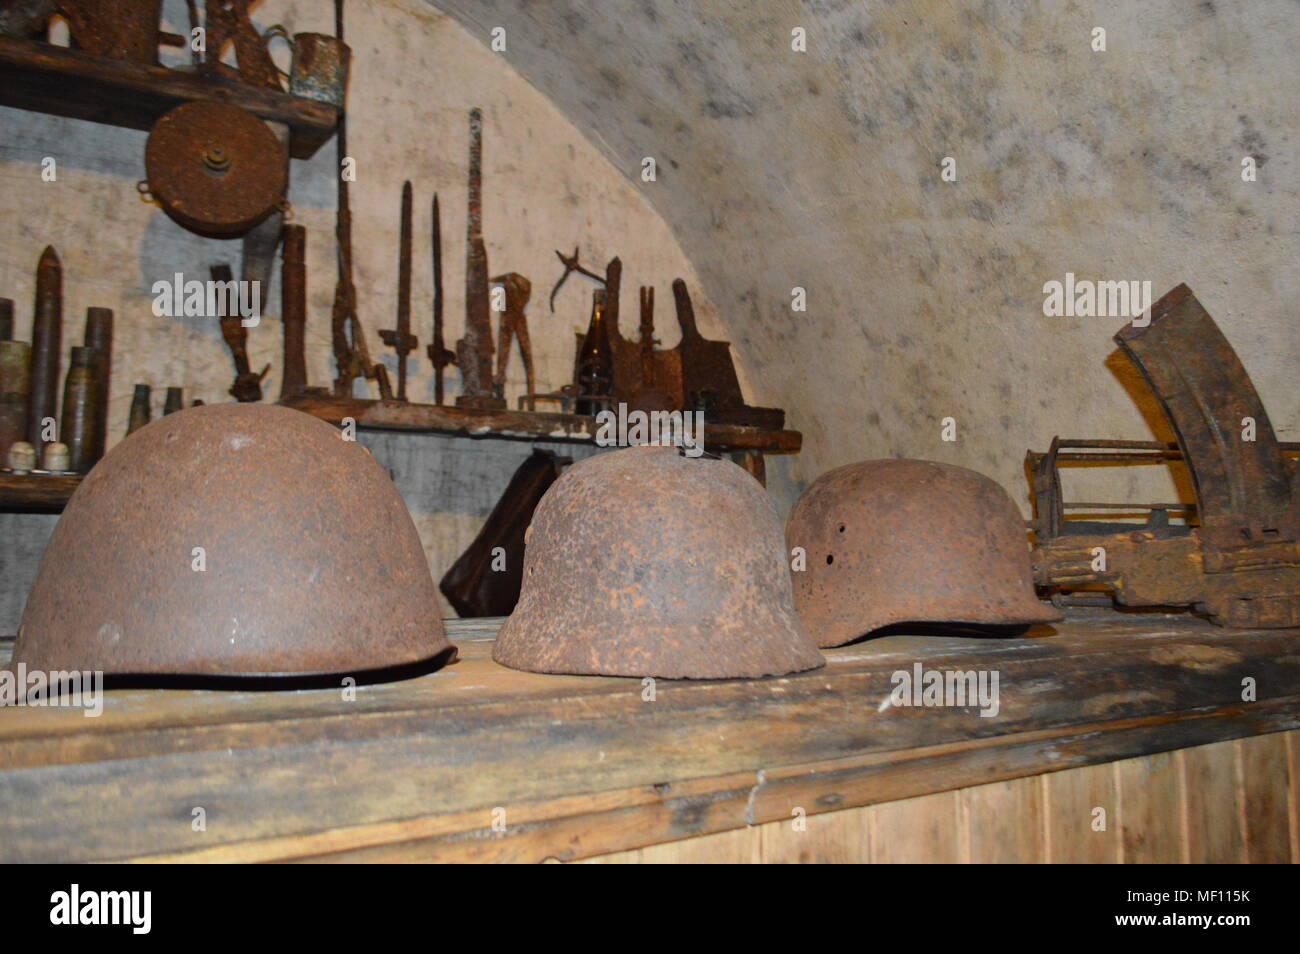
(226, 540)
(643, 562)
(906, 541)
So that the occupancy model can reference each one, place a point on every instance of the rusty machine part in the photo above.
(293, 310)
(1238, 560)
(709, 379)
(351, 355)
(400, 338)
(214, 168)
(320, 68)
(99, 335)
(474, 351)
(81, 409)
(15, 386)
(438, 353)
(248, 385)
(648, 397)
(122, 30)
(485, 579)
(643, 562)
(47, 340)
(513, 325)
(228, 22)
(909, 541)
(233, 539)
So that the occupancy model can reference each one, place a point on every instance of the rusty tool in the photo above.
(514, 324)
(648, 397)
(400, 338)
(214, 168)
(438, 353)
(351, 356)
(293, 309)
(248, 386)
(474, 351)
(227, 22)
(122, 30)
(709, 379)
(571, 265)
(47, 340)
(1237, 559)
(99, 335)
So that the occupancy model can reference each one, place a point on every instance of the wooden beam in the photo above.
(54, 79)
(583, 765)
(515, 425)
(37, 493)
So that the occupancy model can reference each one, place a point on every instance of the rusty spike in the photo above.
(642, 562)
(288, 516)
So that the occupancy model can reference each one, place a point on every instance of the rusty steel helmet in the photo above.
(644, 562)
(908, 541)
(233, 540)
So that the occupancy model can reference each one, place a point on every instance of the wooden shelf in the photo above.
(36, 493)
(584, 765)
(53, 79)
(516, 425)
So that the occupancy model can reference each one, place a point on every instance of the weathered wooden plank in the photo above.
(1082, 815)
(1152, 814)
(1264, 796)
(305, 774)
(73, 83)
(1004, 822)
(1212, 796)
(516, 425)
(36, 493)
(926, 829)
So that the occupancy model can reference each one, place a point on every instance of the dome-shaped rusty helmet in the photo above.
(905, 541)
(233, 540)
(643, 562)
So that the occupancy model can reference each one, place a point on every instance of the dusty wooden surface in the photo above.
(73, 83)
(37, 493)
(1130, 812)
(516, 425)
(569, 767)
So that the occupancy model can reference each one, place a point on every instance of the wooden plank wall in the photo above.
(1233, 801)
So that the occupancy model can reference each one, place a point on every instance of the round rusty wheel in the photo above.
(214, 168)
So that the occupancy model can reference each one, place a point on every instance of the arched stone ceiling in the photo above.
(821, 169)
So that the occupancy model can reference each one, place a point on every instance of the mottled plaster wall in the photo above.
(416, 73)
(822, 170)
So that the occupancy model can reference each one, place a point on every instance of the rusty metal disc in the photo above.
(214, 168)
